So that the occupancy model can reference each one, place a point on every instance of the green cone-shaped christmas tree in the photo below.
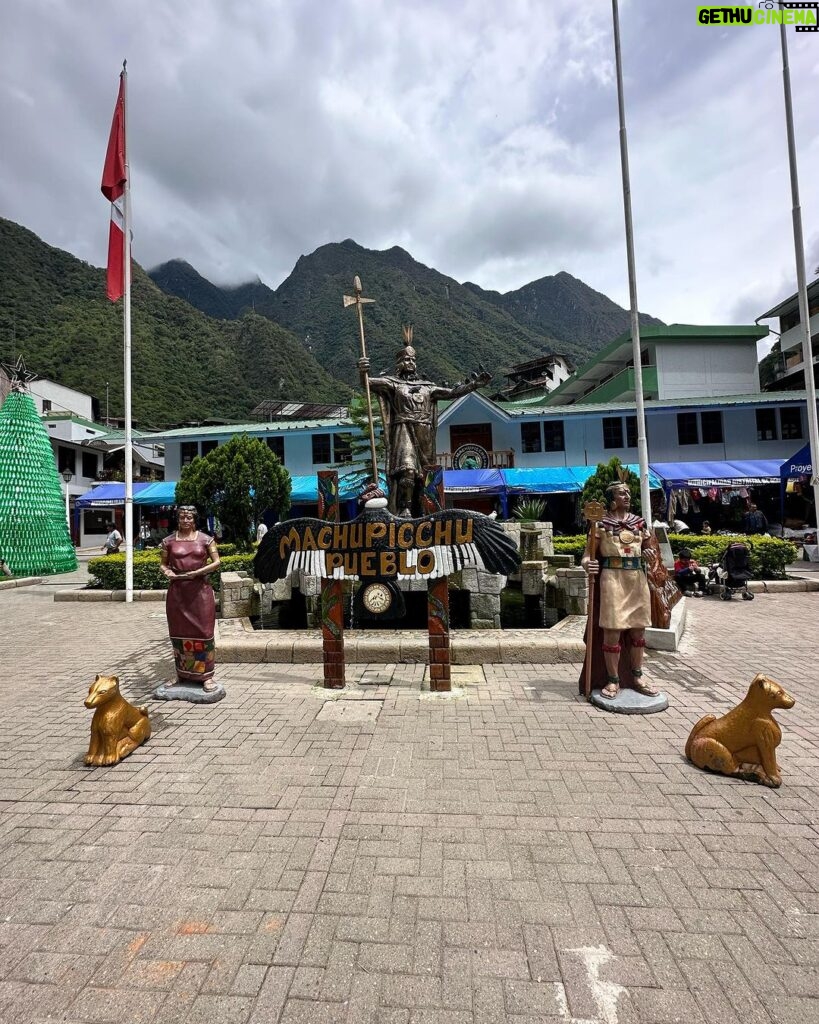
(34, 537)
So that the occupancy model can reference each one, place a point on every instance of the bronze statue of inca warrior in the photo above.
(409, 412)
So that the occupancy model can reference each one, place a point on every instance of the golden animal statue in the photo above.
(743, 743)
(117, 727)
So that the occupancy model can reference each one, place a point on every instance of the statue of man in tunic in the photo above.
(409, 412)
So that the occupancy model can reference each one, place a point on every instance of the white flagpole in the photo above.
(126, 316)
(642, 444)
(801, 285)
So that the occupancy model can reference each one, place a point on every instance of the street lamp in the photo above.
(67, 476)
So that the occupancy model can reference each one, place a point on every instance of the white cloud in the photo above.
(481, 137)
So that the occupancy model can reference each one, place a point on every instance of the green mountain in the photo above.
(454, 329)
(567, 309)
(456, 325)
(186, 366)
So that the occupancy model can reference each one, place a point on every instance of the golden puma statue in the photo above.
(748, 735)
(117, 727)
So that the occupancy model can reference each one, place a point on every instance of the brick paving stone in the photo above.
(453, 859)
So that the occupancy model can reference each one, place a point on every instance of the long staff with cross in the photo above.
(358, 301)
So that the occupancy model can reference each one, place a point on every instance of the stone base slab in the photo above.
(630, 702)
(190, 692)
(669, 639)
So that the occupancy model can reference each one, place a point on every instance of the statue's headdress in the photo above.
(186, 508)
(621, 481)
(407, 349)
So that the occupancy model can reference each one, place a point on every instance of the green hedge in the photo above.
(770, 556)
(108, 571)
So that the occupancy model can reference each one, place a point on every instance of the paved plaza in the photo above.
(389, 856)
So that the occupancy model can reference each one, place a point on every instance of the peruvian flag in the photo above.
(114, 178)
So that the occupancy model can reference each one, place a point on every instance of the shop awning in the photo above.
(584, 472)
(797, 465)
(163, 492)
(107, 495)
(742, 473)
(543, 480)
(473, 481)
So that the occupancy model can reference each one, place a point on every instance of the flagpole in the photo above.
(801, 284)
(642, 444)
(126, 318)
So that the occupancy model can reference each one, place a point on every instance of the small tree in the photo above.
(236, 482)
(360, 440)
(595, 487)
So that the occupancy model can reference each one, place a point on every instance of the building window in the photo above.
(188, 451)
(530, 438)
(66, 459)
(766, 425)
(711, 427)
(209, 446)
(322, 448)
(276, 445)
(342, 451)
(790, 420)
(631, 431)
(90, 465)
(46, 405)
(553, 440)
(687, 432)
(613, 432)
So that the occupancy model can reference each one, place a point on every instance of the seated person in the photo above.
(706, 528)
(688, 575)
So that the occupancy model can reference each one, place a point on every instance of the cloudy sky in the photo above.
(480, 136)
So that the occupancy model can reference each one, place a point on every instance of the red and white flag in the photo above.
(114, 178)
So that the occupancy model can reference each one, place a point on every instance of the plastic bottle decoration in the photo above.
(34, 536)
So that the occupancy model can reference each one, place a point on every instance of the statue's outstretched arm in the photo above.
(468, 386)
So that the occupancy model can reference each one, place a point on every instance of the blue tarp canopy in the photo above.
(304, 489)
(739, 473)
(584, 472)
(106, 495)
(473, 481)
(163, 492)
(797, 465)
(543, 480)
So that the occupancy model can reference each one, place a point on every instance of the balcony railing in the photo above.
(499, 458)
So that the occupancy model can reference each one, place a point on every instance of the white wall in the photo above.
(62, 399)
(298, 451)
(705, 369)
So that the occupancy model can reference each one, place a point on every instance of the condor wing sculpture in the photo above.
(377, 544)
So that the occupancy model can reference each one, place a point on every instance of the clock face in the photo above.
(377, 598)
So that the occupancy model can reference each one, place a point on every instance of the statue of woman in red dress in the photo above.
(188, 557)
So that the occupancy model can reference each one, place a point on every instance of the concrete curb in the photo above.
(782, 586)
(108, 595)
(25, 581)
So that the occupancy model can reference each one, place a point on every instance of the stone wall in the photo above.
(237, 595)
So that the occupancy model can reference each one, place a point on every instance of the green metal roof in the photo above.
(276, 427)
(71, 417)
(525, 408)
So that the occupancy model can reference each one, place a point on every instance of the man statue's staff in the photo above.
(358, 301)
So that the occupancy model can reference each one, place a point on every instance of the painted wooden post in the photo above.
(440, 675)
(332, 591)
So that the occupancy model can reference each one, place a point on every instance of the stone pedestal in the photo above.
(190, 692)
(630, 702)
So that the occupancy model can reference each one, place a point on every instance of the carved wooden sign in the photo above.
(378, 545)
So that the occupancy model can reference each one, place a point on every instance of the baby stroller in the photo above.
(731, 575)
